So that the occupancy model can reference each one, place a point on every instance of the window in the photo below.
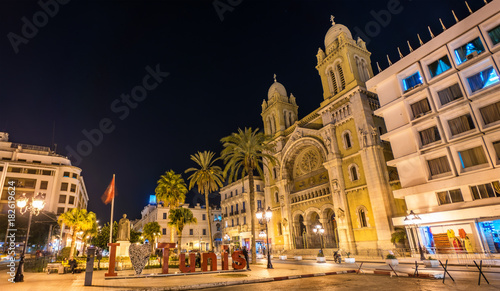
(258, 188)
(242, 189)
(469, 50)
(64, 186)
(347, 140)
(334, 88)
(232, 222)
(232, 209)
(231, 194)
(6, 158)
(439, 166)
(495, 35)
(164, 215)
(204, 231)
(259, 204)
(75, 176)
(276, 197)
(412, 81)
(243, 206)
(449, 94)
(236, 192)
(16, 170)
(225, 196)
(236, 208)
(66, 174)
(21, 160)
(451, 196)
(362, 218)
(440, 66)
(483, 191)
(164, 231)
(47, 173)
(73, 188)
(420, 108)
(190, 231)
(237, 221)
(341, 77)
(461, 124)
(203, 217)
(472, 157)
(244, 220)
(37, 162)
(62, 198)
(217, 226)
(353, 173)
(280, 231)
(496, 145)
(226, 211)
(274, 173)
(490, 113)
(1, 168)
(60, 210)
(429, 135)
(71, 200)
(482, 79)
(31, 171)
(44, 185)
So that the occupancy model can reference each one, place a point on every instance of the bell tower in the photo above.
(279, 112)
(346, 63)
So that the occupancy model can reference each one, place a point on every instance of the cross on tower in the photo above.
(332, 19)
(274, 77)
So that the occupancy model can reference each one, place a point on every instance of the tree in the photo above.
(135, 236)
(208, 178)
(244, 153)
(150, 230)
(177, 219)
(78, 220)
(398, 236)
(89, 234)
(102, 238)
(171, 190)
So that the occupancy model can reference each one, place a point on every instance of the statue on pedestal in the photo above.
(123, 229)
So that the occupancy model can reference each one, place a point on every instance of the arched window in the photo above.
(353, 172)
(333, 80)
(280, 232)
(275, 174)
(290, 118)
(276, 197)
(341, 77)
(362, 217)
(362, 66)
(285, 115)
(347, 140)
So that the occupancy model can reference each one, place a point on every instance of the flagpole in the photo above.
(112, 209)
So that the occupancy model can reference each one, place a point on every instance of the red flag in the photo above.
(110, 192)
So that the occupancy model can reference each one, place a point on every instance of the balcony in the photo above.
(231, 213)
(243, 211)
(225, 215)
(236, 212)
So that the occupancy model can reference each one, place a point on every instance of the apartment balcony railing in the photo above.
(236, 212)
(243, 211)
(231, 213)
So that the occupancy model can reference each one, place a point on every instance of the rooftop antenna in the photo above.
(389, 60)
(378, 67)
(454, 15)
(467, 4)
(400, 54)
(409, 46)
(430, 31)
(444, 27)
(420, 40)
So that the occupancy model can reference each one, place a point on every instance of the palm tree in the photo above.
(89, 234)
(171, 190)
(177, 219)
(78, 220)
(244, 153)
(208, 178)
(150, 231)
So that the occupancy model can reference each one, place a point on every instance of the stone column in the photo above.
(284, 200)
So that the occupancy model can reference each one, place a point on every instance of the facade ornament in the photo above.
(340, 213)
(362, 133)
(264, 105)
(374, 135)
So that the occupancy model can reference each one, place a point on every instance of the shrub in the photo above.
(390, 257)
(320, 254)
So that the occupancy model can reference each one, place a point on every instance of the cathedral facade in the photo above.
(332, 170)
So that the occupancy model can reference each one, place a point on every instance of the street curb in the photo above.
(391, 273)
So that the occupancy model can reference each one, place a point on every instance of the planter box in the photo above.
(321, 259)
(350, 260)
(283, 258)
(392, 262)
(431, 263)
(298, 258)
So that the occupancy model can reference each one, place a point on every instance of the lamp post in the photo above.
(265, 218)
(320, 231)
(34, 205)
(413, 219)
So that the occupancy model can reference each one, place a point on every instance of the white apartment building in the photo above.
(441, 106)
(235, 207)
(194, 236)
(37, 169)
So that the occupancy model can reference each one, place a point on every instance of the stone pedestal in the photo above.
(122, 249)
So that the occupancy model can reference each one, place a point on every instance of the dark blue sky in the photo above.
(91, 52)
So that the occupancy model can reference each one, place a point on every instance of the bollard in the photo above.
(90, 266)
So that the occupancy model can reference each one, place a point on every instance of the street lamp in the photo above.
(265, 218)
(320, 231)
(413, 219)
(34, 206)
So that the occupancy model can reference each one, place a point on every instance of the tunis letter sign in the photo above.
(239, 261)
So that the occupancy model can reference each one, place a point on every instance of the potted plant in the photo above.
(431, 263)
(391, 259)
(321, 257)
(349, 260)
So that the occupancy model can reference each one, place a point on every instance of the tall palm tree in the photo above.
(78, 220)
(90, 233)
(177, 219)
(171, 190)
(208, 178)
(244, 153)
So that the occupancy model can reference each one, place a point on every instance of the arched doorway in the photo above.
(314, 239)
(300, 232)
(331, 237)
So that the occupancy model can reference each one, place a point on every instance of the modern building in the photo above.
(36, 170)
(332, 168)
(441, 106)
(194, 236)
(235, 207)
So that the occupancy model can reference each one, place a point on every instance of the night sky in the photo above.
(89, 53)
